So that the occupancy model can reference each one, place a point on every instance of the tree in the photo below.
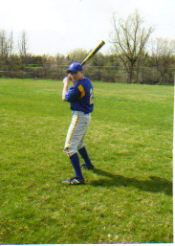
(130, 39)
(23, 48)
(5, 44)
(162, 53)
(22, 44)
(6, 49)
(10, 43)
(76, 55)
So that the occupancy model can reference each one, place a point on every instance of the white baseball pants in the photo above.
(76, 132)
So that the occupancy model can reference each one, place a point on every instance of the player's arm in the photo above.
(72, 95)
(75, 93)
(66, 82)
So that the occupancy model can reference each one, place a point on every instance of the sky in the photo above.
(60, 26)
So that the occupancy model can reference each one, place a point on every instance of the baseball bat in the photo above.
(93, 52)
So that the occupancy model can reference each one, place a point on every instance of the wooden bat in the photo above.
(93, 52)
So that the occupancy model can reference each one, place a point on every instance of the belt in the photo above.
(80, 112)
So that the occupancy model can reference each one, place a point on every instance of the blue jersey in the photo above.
(80, 96)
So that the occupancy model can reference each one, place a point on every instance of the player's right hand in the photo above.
(67, 79)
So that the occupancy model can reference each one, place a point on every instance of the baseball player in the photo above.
(80, 97)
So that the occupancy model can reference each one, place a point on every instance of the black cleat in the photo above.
(87, 167)
(74, 181)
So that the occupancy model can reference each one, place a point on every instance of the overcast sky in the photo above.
(59, 26)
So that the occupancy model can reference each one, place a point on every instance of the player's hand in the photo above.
(67, 79)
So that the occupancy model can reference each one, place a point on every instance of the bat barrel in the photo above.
(93, 52)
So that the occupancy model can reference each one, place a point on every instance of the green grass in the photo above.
(127, 199)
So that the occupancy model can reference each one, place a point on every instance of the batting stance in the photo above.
(80, 97)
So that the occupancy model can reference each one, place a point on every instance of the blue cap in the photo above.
(75, 67)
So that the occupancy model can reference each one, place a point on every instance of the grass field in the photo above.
(127, 199)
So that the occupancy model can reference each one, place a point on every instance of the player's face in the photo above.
(77, 76)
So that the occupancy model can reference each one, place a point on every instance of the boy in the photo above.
(80, 96)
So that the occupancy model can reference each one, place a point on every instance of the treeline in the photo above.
(107, 68)
(134, 58)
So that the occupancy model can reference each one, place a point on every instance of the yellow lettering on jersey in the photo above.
(91, 97)
(81, 89)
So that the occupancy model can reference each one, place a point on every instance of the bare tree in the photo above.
(10, 43)
(3, 44)
(162, 53)
(23, 47)
(130, 38)
(161, 47)
(6, 48)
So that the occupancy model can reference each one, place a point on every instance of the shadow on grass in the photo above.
(154, 184)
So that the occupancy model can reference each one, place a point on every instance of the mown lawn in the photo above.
(127, 199)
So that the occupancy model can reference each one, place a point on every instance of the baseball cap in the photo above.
(75, 67)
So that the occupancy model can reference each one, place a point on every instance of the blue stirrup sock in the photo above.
(76, 165)
(85, 156)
